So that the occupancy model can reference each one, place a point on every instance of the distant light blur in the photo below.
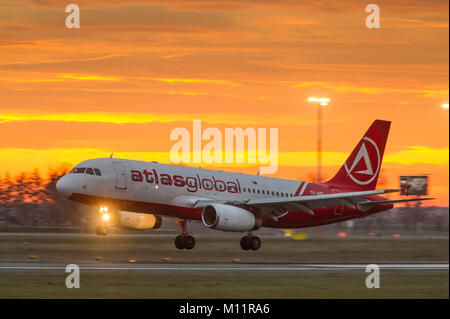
(321, 100)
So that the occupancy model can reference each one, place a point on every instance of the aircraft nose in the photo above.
(63, 187)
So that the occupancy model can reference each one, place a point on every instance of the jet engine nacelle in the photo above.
(138, 221)
(229, 218)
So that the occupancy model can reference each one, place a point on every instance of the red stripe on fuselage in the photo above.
(299, 189)
(296, 219)
(139, 207)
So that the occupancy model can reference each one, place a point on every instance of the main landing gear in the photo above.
(184, 241)
(250, 242)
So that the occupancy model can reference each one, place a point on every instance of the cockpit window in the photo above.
(86, 170)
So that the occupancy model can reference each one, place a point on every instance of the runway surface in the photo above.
(169, 233)
(178, 267)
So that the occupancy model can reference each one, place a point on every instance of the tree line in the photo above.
(29, 198)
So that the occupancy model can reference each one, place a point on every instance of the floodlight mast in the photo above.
(323, 101)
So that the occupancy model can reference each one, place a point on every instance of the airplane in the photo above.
(135, 194)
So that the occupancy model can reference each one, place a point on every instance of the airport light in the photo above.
(322, 101)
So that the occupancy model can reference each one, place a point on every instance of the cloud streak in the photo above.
(371, 90)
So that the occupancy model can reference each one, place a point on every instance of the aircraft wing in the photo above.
(275, 207)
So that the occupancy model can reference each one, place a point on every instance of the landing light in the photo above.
(103, 209)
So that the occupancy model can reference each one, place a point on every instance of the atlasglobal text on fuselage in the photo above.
(134, 195)
(192, 183)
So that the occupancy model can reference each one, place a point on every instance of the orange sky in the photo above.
(137, 69)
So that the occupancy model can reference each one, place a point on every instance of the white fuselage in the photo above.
(169, 184)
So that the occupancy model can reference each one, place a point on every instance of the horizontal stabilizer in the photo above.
(376, 203)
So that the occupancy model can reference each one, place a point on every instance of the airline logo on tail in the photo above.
(361, 171)
(362, 167)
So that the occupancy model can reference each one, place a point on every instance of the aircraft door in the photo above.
(121, 177)
(339, 209)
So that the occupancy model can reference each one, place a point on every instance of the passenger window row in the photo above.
(86, 170)
(266, 192)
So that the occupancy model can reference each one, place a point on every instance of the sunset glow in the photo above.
(137, 69)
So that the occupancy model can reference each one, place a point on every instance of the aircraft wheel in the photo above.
(254, 243)
(101, 230)
(179, 242)
(244, 243)
(189, 242)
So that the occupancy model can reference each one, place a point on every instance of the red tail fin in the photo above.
(362, 167)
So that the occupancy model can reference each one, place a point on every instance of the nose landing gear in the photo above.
(101, 230)
(250, 242)
(105, 215)
(184, 241)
